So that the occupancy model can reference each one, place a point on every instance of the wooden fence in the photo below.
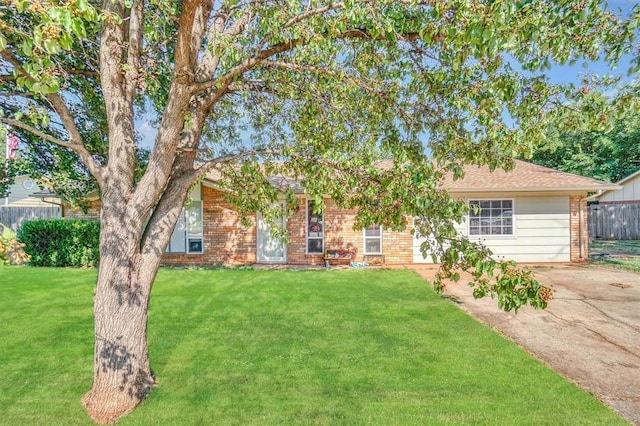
(615, 221)
(14, 216)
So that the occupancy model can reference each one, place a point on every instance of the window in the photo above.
(491, 217)
(187, 235)
(373, 239)
(315, 229)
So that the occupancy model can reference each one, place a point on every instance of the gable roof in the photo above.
(525, 177)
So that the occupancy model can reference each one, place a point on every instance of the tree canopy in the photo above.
(608, 154)
(318, 91)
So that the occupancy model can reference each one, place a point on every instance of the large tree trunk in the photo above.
(122, 374)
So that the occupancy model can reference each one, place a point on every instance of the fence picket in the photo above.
(14, 216)
(614, 221)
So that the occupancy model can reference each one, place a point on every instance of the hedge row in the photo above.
(61, 242)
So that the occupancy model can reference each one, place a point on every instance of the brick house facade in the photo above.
(226, 241)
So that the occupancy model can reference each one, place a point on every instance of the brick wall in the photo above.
(339, 234)
(93, 212)
(226, 241)
(578, 253)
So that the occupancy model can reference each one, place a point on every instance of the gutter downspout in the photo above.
(581, 228)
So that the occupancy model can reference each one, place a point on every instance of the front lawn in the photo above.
(242, 347)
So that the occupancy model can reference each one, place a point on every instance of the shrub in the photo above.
(11, 251)
(61, 242)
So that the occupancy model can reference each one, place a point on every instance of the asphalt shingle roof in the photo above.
(524, 177)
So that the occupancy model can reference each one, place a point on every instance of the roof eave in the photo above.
(536, 189)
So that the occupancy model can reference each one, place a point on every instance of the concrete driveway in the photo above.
(590, 333)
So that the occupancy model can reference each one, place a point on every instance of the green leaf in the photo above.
(27, 47)
(82, 5)
(51, 46)
(66, 19)
(77, 26)
(21, 5)
(66, 41)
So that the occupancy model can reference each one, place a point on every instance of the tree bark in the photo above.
(122, 374)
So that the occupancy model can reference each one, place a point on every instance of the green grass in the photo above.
(243, 347)
(623, 254)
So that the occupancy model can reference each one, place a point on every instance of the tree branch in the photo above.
(191, 30)
(57, 104)
(79, 149)
(251, 87)
(224, 81)
(209, 61)
(180, 126)
(135, 37)
(36, 132)
(341, 76)
(87, 73)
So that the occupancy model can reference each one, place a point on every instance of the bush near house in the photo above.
(11, 251)
(61, 242)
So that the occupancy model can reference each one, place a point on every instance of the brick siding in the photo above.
(339, 234)
(93, 211)
(578, 254)
(226, 240)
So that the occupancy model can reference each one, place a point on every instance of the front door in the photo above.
(270, 249)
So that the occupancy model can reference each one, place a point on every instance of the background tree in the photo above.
(608, 152)
(318, 91)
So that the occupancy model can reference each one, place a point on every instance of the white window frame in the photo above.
(365, 238)
(307, 219)
(491, 235)
(184, 216)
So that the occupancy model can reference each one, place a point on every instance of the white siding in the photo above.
(19, 196)
(542, 231)
(630, 191)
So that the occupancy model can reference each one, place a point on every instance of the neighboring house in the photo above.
(26, 201)
(530, 214)
(628, 193)
(615, 214)
(22, 194)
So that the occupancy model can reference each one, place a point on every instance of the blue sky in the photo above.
(573, 74)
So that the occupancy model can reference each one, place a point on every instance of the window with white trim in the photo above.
(315, 229)
(373, 239)
(491, 217)
(187, 235)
